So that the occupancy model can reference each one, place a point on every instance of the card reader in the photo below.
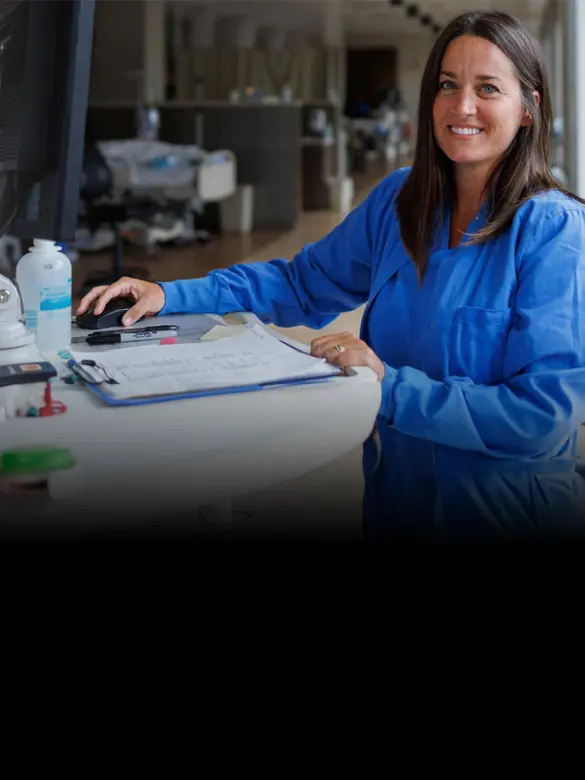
(24, 373)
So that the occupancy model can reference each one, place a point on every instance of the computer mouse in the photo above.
(111, 317)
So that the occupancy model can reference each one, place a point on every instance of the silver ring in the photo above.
(340, 348)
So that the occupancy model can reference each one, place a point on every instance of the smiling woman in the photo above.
(472, 266)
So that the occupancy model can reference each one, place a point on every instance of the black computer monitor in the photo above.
(45, 62)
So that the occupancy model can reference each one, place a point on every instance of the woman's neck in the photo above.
(470, 186)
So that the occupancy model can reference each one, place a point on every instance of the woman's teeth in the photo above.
(465, 130)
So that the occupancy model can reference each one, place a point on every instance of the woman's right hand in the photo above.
(149, 297)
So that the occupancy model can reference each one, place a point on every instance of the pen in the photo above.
(123, 336)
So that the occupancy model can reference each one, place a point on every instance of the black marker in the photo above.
(124, 335)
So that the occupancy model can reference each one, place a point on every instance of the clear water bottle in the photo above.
(43, 276)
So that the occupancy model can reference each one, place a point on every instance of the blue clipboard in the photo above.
(96, 389)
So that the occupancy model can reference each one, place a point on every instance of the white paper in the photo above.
(254, 357)
(223, 332)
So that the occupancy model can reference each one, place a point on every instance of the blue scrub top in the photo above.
(484, 388)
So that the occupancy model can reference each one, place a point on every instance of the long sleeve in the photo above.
(324, 279)
(542, 400)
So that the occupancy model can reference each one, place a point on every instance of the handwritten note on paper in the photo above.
(252, 358)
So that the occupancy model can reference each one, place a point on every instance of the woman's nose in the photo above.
(466, 102)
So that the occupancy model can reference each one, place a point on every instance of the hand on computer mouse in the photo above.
(149, 297)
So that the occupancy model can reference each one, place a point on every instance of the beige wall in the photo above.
(130, 37)
(230, 68)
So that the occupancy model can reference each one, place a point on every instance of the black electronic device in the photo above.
(45, 62)
(24, 373)
(111, 317)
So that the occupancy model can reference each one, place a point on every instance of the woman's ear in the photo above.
(527, 118)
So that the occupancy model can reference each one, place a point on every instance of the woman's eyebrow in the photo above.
(479, 77)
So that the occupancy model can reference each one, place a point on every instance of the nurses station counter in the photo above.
(139, 464)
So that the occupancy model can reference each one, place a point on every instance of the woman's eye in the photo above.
(447, 85)
(489, 89)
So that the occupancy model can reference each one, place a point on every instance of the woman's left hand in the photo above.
(345, 350)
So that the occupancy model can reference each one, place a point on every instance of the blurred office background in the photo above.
(223, 132)
(216, 129)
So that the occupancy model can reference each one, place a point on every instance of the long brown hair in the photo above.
(522, 171)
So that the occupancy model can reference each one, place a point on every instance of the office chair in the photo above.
(96, 183)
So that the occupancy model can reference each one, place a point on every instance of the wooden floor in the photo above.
(332, 494)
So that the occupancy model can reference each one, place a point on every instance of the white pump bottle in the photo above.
(43, 276)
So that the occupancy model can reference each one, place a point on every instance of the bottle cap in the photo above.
(43, 243)
(35, 461)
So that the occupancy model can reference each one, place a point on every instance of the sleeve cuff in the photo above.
(167, 290)
(192, 296)
(387, 406)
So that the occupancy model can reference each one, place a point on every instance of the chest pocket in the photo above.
(477, 343)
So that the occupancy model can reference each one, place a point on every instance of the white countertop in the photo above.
(146, 460)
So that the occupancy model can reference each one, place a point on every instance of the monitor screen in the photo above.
(45, 62)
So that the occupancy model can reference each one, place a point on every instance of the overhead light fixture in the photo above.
(412, 11)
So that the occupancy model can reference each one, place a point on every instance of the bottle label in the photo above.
(53, 298)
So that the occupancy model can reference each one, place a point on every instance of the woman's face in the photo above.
(478, 108)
